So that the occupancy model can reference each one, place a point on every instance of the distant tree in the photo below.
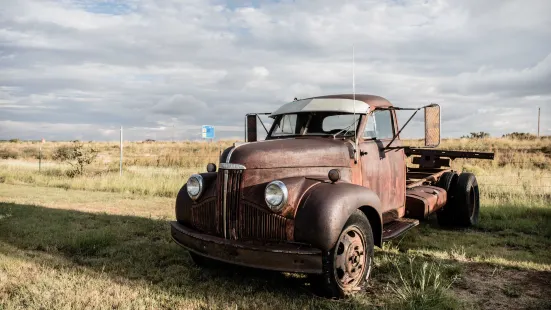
(477, 135)
(15, 140)
(76, 155)
(520, 136)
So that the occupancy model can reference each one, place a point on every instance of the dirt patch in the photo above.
(489, 287)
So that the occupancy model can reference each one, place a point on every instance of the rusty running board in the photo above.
(396, 228)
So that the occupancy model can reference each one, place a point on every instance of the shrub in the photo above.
(477, 135)
(520, 136)
(77, 156)
(30, 152)
(422, 287)
(62, 153)
(15, 140)
(7, 153)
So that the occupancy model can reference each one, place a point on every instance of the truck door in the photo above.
(383, 171)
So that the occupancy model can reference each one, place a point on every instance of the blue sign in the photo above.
(207, 132)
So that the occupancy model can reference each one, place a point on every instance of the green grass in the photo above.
(130, 260)
(64, 249)
(423, 286)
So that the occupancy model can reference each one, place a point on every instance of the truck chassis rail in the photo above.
(427, 158)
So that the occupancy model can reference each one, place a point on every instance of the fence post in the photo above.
(40, 155)
(539, 115)
(120, 168)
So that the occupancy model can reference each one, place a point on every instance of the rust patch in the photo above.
(384, 173)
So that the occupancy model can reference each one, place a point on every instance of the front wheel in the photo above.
(347, 266)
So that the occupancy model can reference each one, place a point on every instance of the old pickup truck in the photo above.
(328, 184)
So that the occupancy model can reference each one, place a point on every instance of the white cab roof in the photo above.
(341, 105)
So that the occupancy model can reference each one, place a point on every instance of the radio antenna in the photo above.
(354, 92)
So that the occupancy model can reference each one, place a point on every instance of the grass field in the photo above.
(102, 241)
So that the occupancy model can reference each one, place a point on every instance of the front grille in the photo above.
(230, 217)
(203, 215)
(229, 198)
(262, 224)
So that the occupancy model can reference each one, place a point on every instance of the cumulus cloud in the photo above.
(530, 81)
(179, 105)
(81, 68)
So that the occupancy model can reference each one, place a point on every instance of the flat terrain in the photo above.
(100, 242)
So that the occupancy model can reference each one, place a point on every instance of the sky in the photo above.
(80, 69)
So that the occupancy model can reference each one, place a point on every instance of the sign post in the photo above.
(207, 132)
(40, 155)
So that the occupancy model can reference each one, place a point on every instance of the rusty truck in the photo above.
(329, 182)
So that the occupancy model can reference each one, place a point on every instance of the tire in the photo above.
(447, 181)
(467, 200)
(463, 205)
(347, 266)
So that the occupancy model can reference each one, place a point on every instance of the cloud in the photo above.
(179, 105)
(531, 81)
(260, 72)
(162, 69)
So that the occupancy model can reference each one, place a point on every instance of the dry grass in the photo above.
(521, 169)
(157, 154)
(107, 245)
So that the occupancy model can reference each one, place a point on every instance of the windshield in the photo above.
(319, 123)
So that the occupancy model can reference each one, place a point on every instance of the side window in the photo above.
(384, 125)
(379, 125)
(370, 131)
(286, 126)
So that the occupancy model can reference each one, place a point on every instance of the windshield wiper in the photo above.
(345, 130)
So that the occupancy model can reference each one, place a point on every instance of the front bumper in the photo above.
(279, 257)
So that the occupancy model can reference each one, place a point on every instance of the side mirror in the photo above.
(432, 125)
(250, 128)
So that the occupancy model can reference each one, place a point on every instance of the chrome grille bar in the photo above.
(224, 202)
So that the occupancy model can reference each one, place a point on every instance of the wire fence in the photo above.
(197, 158)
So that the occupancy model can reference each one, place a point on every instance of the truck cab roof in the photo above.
(343, 103)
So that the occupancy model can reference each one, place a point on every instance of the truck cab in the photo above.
(327, 185)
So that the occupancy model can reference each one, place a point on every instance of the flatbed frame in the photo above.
(434, 163)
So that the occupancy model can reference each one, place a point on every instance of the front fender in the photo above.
(184, 202)
(325, 209)
(297, 187)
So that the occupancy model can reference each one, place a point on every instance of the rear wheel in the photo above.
(347, 266)
(463, 205)
(467, 200)
(447, 181)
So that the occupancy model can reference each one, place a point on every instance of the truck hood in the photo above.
(292, 152)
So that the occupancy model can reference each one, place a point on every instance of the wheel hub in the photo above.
(350, 258)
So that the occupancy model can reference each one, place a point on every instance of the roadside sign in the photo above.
(207, 132)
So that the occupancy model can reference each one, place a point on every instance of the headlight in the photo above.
(276, 195)
(195, 186)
